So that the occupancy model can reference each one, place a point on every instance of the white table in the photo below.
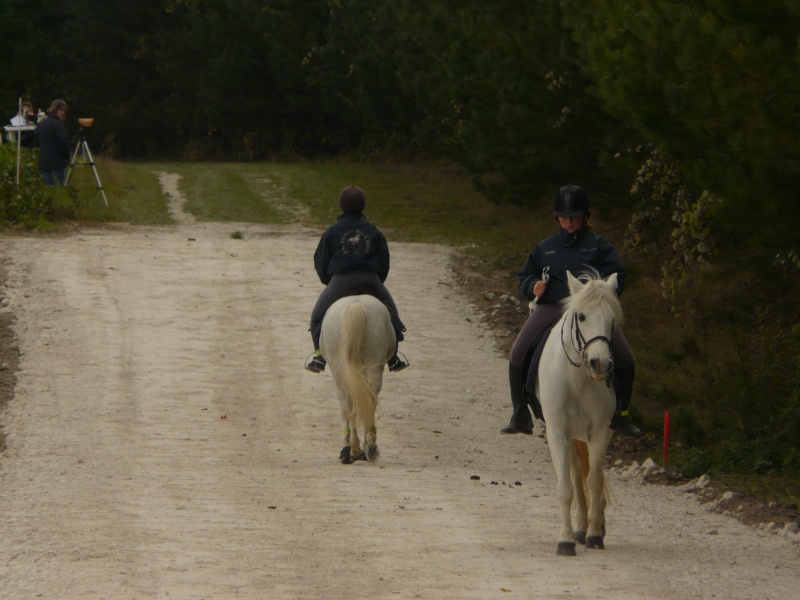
(12, 130)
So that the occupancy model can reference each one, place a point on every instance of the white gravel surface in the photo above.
(164, 441)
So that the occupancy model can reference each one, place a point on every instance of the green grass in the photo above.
(132, 189)
(434, 203)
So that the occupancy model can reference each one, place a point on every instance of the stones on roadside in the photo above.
(696, 485)
(641, 472)
(789, 530)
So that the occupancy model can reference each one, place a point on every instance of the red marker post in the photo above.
(666, 437)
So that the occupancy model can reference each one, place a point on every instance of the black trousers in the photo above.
(349, 284)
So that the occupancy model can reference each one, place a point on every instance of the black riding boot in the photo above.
(623, 386)
(521, 420)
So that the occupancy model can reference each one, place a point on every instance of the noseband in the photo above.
(576, 335)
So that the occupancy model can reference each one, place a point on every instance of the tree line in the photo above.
(516, 90)
(693, 105)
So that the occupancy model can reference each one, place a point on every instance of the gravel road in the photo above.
(164, 441)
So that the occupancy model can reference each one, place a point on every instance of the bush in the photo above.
(30, 203)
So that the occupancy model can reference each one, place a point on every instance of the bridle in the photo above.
(576, 335)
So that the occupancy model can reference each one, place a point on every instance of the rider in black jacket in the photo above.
(575, 248)
(352, 256)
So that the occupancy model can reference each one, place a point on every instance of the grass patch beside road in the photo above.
(434, 203)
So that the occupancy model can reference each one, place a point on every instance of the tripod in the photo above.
(83, 149)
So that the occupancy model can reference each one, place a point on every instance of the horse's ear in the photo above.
(612, 281)
(575, 284)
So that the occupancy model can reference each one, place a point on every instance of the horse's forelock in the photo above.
(594, 294)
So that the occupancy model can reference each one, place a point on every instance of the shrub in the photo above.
(30, 202)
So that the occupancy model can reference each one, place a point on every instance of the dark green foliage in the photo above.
(26, 201)
(717, 86)
(30, 202)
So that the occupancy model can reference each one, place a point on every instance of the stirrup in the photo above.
(316, 364)
(398, 364)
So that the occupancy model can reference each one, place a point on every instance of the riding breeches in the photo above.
(547, 314)
(348, 284)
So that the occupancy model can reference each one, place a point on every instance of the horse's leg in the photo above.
(372, 451)
(356, 453)
(581, 509)
(560, 454)
(345, 456)
(597, 499)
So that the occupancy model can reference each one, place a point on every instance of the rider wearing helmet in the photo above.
(575, 248)
(352, 257)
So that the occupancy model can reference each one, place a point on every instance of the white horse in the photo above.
(574, 386)
(357, 341)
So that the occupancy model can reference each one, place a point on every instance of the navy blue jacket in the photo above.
(563, 252)
(53, 141)
(352, 243)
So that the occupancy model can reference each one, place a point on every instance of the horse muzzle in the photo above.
(600, 369)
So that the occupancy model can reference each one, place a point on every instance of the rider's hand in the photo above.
(539, 287)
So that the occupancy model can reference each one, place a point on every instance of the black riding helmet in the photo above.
(571, 201)
(352, 200)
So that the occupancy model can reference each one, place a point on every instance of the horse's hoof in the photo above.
(580, 537)
(372, 452)
(565, 549)
(344, 456)
(360, 456)
(595, 542)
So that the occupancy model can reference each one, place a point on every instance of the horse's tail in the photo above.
(352, 369)
(582, 451)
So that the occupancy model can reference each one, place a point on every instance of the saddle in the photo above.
(530, 370)
(364, 288)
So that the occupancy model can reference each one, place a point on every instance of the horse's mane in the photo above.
(594, 294)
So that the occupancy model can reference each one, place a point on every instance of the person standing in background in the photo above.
(53, 141)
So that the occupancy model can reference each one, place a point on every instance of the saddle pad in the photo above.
(531, 369)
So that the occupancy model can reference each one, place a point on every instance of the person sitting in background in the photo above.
(25, 117)
(53, 141)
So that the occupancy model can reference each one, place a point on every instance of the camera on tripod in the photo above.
(87, 159)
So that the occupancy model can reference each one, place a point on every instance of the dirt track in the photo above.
(165, 442)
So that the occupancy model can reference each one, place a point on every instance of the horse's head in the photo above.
(592, 311)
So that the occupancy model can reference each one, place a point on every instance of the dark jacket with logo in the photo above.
(562, 252)
(352, 243)
(53, 141)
